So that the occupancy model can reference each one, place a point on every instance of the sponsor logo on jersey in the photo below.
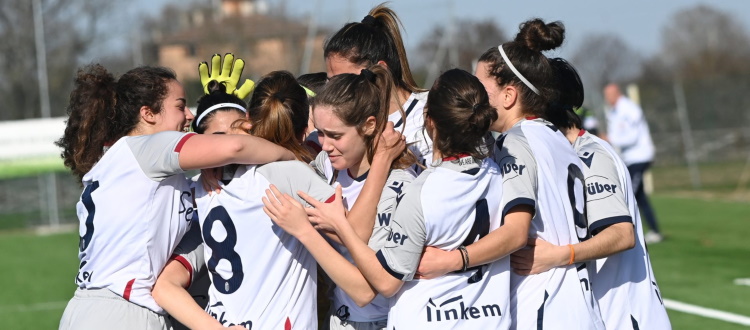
(599, 187)
(455, 309)
(186, 206)
(510, 169)
(396, 237)
(219, 316)
(384, 219)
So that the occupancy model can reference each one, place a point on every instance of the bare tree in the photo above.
(70, 29)
(703, 42)
(602, 59)
(470, 40)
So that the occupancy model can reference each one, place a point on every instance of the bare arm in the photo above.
(290, 215)
(545, 256)
(511, 236)
(212, 150)
(362, 215)
(169, 292)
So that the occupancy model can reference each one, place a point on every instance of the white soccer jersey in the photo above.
(136, 205)
(346, 308)
(261, 277)
(541, 169)
(623, 284)
(453, 204)
(419, 143)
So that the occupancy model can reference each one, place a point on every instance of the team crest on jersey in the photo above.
(454, 309)
(510, 169)
(600, 187)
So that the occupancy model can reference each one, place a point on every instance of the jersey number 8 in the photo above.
(223, 250)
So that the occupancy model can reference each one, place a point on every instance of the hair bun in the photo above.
(538, 36)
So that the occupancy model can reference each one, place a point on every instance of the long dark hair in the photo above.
(103, 109)
(525, 54)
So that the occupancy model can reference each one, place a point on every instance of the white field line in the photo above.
(707, 312)
(742, 281)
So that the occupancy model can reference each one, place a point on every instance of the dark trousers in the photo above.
(636, 176)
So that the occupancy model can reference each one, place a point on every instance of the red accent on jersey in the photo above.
(314, 146)
(330, 199)
(456, 157)
(184, 139)
(581, 132)
(185, 264)
(128, 288)
(287, 324)
(531, 117)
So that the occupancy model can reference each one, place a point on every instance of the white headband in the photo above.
(218, 106)
(518, 74)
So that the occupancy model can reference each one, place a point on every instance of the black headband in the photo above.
(369, 75)
(369, 20)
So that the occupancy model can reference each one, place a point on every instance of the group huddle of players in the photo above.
(479, 204)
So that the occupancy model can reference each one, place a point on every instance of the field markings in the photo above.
(742, 281)
(707, 312)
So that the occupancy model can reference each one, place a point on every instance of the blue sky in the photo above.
(638, 22)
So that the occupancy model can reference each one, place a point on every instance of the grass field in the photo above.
(706, 249)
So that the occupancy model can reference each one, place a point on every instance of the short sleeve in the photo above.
(392, 194)
(406, 238)
(605, 198)
(158, 154)
(189, 252)
(518, 168)
(293, 176)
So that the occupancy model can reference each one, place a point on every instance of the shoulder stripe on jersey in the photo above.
(387, 268)
(128, 288)
(185, 264)
(514, 203)
(184, 139)
(602, 224)
(407, 112)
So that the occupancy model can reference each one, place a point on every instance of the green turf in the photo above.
(705, 250)
(37, 270)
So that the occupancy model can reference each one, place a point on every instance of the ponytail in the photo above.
(355, 98)
(561, 112)
(90, 112)
(279, 112)
(376, 38)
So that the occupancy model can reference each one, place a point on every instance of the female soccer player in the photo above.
(239, 240)
(620, 268)
(124, 140)
(377, 40)
(543, 184)
(349, 115)
(449, 206)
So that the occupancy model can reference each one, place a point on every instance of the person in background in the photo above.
(627, 131)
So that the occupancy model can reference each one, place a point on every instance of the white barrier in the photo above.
(30, 138)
